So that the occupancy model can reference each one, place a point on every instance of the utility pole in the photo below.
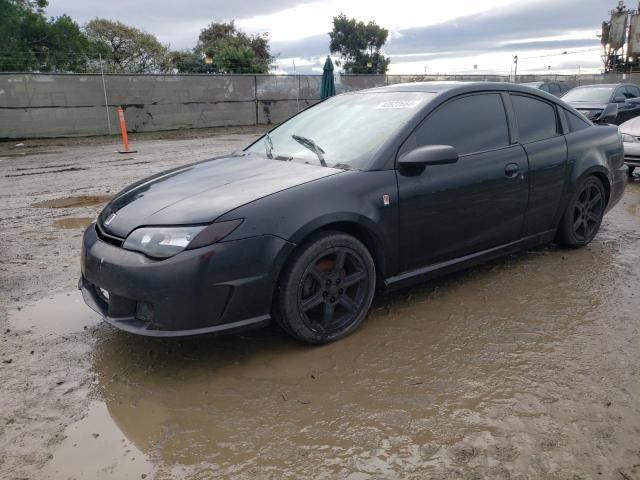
(515, 72)
(104, 89)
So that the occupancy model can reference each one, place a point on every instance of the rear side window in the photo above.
(544, 87)
(475, 123)
(575, 122)
(536, 119)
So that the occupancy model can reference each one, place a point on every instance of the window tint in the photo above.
(536, 119)
(626, 92)
(554, 88)
(475, 123)
(634, 91)
(575, 122)
(544, 87)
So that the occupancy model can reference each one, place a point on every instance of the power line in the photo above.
(562, 53)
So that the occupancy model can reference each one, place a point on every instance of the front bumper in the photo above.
(225, 286)
(632, 154)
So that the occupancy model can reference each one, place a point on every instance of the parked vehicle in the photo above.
(557, 89)
(630, 131)
(369, 190)
(591, 100)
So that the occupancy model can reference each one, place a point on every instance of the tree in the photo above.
(127, 49)
(33, 43)
(222, 48)
(359, 45)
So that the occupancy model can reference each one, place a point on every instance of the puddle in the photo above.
(59, 314)
(436, 376)
(73, 202)
(48, 172)
(30, 152)
(95, 448)
(73, 223)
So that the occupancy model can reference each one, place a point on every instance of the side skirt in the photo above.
(449, 266)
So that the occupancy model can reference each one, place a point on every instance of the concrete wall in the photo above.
(43, 105)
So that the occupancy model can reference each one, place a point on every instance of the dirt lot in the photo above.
(524, 368)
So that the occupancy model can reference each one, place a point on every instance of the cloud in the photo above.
(176, 22)
(491, 31)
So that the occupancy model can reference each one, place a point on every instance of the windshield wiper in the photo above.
(311, 145)
(268, 145)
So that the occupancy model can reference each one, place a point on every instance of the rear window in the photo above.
(576, 122)
(554, 88)
(536, 119)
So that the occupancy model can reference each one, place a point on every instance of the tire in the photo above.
(326, 288)
(583, 215)
(631, 169)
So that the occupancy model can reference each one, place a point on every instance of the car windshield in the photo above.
(589, 94)
(343, 131)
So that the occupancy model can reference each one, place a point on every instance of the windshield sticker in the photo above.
(399, 104)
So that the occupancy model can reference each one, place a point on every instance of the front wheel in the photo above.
(583, 216)
(326, 289)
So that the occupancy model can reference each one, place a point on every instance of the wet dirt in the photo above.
(523, 368)
(73, 223)
(73, 202)
(59, 314)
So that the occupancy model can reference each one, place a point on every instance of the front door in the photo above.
(448, 211)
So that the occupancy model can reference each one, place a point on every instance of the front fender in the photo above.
(352, 197)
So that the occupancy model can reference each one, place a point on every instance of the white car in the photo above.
(630, 131)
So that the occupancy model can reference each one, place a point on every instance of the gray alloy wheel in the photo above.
(326, 289)
(583, 216)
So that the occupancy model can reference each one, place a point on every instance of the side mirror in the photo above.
(609, 114)
(619, 99)
(429, 155)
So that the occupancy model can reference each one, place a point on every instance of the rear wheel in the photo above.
(326, 289)
(583, 216)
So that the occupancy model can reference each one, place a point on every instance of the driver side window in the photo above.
(471, 124)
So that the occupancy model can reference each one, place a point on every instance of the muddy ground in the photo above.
(523, 368)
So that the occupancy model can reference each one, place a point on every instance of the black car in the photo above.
(557, 89)
(591, 100)
(365, 191)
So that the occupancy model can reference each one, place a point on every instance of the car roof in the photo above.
(451, 87)
(610, 85)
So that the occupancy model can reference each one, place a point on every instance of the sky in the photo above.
(472, 36)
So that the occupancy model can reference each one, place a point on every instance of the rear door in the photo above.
(448, 211)
(540, 134)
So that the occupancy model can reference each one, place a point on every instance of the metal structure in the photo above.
(620, 38)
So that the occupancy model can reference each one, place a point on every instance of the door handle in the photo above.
(511, 170)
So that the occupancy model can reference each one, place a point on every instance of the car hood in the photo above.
(201, 192)
(632, 127)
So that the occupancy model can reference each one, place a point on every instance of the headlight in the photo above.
(165, 242)
(629, 138)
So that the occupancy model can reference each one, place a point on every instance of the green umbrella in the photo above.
(328, 87)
